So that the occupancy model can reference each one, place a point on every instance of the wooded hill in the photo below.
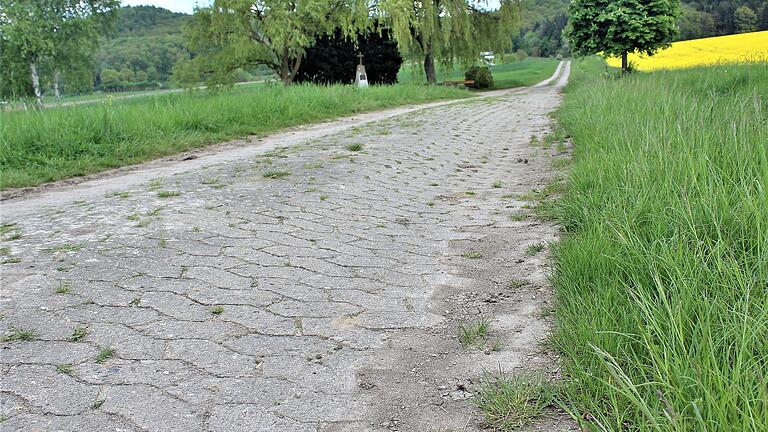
(147, 42)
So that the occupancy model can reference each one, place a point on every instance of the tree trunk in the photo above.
(429, 66)
(36, 84)
(624, 63)
(289, 67)
(56, 86)
(285, 77)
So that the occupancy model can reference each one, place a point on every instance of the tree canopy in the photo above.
(619, 27)
(448, 30)
(232, 34)
(48, 37)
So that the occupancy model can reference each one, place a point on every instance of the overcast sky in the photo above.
(186, 6)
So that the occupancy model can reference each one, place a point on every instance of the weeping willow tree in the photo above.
(231, 34)
(449, 30)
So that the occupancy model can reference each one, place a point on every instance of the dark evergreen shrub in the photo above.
(333, 59)
(480, 75)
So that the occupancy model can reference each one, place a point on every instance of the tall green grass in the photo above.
(47, 145)
(662, 279)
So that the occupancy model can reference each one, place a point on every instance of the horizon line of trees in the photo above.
(227, 39)
(47, 45)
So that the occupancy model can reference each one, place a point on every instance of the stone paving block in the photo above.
(227, 418)
(150, 409)
(214, 358)
(49, 391)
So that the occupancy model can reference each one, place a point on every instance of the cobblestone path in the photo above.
(317, 287)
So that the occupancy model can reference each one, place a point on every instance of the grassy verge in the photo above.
(662, 279)
(42, 146)
(506, 75)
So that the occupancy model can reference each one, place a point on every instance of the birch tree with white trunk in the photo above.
(48, 38)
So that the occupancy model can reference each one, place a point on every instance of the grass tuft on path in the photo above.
(662, 277)
(53, 144)
(511, 402)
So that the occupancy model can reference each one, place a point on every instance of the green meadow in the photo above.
(39, 146)
(662, 273)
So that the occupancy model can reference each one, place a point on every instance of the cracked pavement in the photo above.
(315, 287)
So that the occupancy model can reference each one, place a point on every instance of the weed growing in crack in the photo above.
(217, 310)
(276, 174)
(474, 334)
(98, 403)
(5, 251)
(155, 212)
(20, 335)
(105, 354)
(472, 255)
(354, 147)
(168, 194)
(535, 248)
(10, 260)
(78, 333)
(213, 182)
(64, 368)
(64, 287)
(518, 216)
(119, 195)
(13, 235)
(154, 184)
(323, 197)
(517, 283)
(66, 247)
(497, 184)
(509, 403)
(7, 228)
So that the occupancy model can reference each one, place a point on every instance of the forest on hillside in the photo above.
(147, 42)
(541, 33)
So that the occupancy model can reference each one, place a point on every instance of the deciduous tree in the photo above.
(448, 30)
(235, 33)
(62, 34)
(619, 27)
(745, 19)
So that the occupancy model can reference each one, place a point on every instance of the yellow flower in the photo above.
(721, 49)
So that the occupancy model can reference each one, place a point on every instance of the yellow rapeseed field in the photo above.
(697, 52)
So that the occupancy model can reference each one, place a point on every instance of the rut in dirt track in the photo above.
(324, 296)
